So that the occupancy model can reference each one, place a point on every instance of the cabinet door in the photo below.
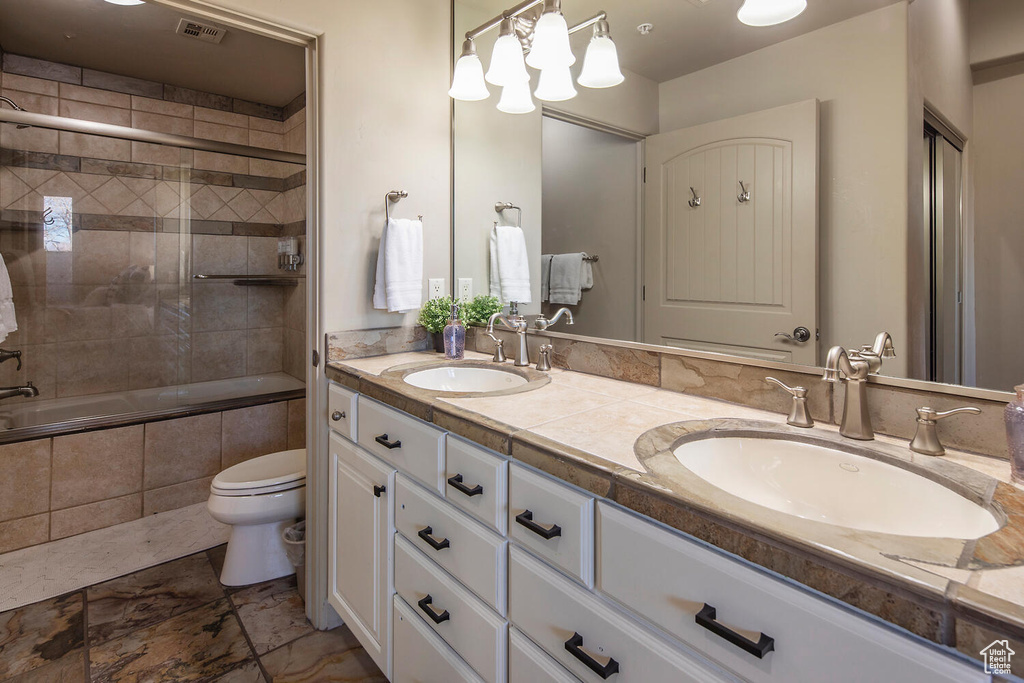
(361, 526)
(421, 656)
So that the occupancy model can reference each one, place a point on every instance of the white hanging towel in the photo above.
(8, 321)
(399, 283)
(570, 275)
(510, 265)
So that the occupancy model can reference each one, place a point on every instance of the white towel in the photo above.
(8, 321)
(399, 282)
(545, 276)
(510, 265)
(569, 275)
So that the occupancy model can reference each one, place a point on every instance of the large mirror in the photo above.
(763, 192)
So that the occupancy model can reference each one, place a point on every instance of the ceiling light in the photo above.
(468, 80)
(551, 39)
(507, 65)
(515, 98)
(769, 12)
(555, 85)
(601, 63)
(127, 2)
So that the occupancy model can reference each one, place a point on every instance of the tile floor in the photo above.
(175, 622)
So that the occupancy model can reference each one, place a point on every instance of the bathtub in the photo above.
(23, 418)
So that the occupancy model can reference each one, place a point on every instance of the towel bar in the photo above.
(502, 206)
(394, 196)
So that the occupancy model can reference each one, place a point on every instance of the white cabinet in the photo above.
(421, 656)
(413, 446)
(359, 531)
(342, 404)
(756, 625)
(527, 663)
(477, 482)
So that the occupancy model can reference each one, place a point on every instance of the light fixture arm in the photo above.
(515, 11)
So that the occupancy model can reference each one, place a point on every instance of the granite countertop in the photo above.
(611, 437)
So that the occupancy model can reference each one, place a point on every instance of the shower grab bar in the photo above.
(108, 130)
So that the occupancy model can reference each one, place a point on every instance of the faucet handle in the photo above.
(926, 439)
(544, 362)
(499, 349)
(799, 416)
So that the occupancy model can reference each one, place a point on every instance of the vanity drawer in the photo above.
(476, 481)
(421, 656)
(670, 579)
(527, 663)
(341, 410)
(412, 446)
(553, 520)
(467, 624)
(588, 637)
(469, 551)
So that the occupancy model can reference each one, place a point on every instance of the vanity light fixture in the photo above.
(551, 39)
(769, 12)
(601, 63)
(555, 85)
(515, 98)
(507, 65)
(468, 80)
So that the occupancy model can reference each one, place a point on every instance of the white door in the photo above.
(360, 528)
(727, 273)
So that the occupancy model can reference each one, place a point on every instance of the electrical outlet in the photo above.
(435, 287)
(465, 288)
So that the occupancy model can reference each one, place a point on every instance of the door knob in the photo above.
(800, 334)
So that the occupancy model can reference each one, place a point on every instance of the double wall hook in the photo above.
(695, 202)
(743, 196)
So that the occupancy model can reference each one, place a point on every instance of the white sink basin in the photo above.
(825, 485)
(464, 379)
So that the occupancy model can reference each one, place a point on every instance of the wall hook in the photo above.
(695, 202)
(743, 196)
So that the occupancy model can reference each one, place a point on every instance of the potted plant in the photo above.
(479, 309)
(434, 316)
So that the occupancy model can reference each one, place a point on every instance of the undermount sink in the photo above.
(818, 483)
(465, 379)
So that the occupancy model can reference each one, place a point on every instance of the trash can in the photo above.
(294, 538)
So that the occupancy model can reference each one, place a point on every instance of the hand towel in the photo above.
(399, 281)
(8, 321)
(510, 265)
(566, 278)
(545, 276)
(587, 274)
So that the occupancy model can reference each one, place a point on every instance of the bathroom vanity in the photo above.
(459, 552)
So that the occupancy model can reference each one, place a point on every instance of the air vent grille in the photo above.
(200, 31)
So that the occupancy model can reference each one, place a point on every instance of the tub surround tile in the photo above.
(250, 432)
(218, 355)
(297, 423)
(39, 634)
(176, 496)
(95, 466)
(122, 84)
(145, 598)
(323, 656)
(182, 450)
(264, 350)
(205, 642)
(40, 69)
(42, 86)
(272, 613)
(92, 516)
(23, 532)
(25, 484)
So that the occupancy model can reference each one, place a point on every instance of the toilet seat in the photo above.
(266, 474)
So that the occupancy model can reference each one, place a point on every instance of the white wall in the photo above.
(858, 70)
(995, 31)
(384, 70)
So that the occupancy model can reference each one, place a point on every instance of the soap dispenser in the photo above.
(454, 336)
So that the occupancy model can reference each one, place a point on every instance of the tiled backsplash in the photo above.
(67, 485)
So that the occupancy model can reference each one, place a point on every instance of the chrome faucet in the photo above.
(542, 323)
(28, 391)
(855, 366)
(517, 323)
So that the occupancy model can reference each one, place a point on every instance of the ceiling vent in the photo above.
(205, 32)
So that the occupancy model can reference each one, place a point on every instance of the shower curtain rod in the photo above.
(125, 133)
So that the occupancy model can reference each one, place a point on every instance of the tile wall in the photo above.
(67, 485)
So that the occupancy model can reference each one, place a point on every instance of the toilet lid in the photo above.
(283, 467)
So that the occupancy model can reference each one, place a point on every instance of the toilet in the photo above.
(259, 498)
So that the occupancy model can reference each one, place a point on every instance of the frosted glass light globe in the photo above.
(468, 80)
(507, 65)
(601, 64)
(515, 98)
(769, 12)
(550, 42)
(555, 85)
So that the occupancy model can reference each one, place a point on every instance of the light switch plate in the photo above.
(465, 288)
(435, 287)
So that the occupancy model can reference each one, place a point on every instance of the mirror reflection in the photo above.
(766, 192)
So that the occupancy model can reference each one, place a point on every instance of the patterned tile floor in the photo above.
(175, 622)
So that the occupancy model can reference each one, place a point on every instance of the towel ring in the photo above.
(502, 206)
(394, 196)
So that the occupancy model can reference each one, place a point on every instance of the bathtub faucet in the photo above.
(6, 355)
(28, 391)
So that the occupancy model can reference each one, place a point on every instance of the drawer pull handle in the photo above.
(526, 519)
(390, 445)
(706, 618)
(575, 647)
(338, 415)
(435, 617)
(377, 490)
(425, 534)
(456, 483)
